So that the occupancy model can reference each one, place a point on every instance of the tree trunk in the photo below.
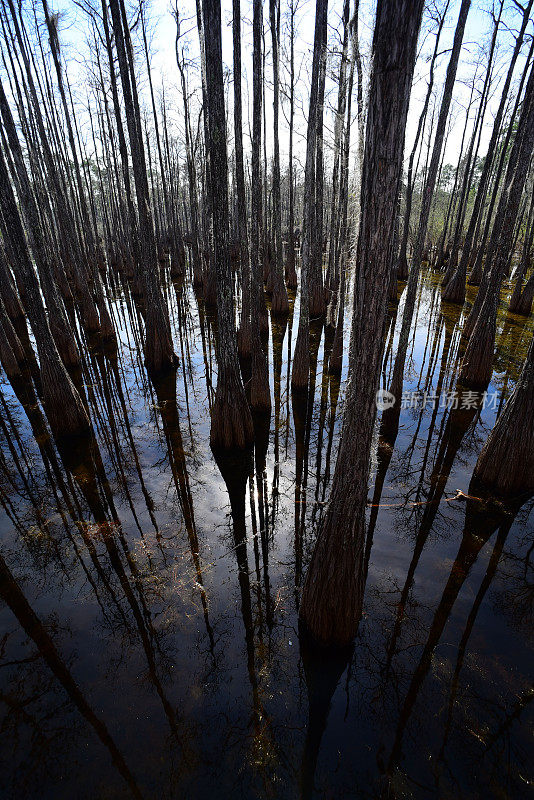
(260, 396)
(524, 306)
(191, 171)
(479, 267)
(279, 301)
(60, 328)
(402, 261)
(454, 282)
(477, 363)
(87, 234)
(515, 300)
(231, 421)
(64, 408)
(317, 301)
(173, 230)
(333, 591)
(484, 178)
(506, 464)
(332, 277)
(244, 335)
(69, 234)
(291, 273)
(159, 355)
(428, 193)
(301, 357)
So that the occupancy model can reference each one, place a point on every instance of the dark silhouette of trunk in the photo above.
(359, 88)
(165, 388)
(15, 314)
(323, 671)
(455, 278)
(191, 171)
(244, 335)
(64, 408)
(131, 245)
(428, 192)
(480, 524)
(332, 596)
(278, 331)
(502, 151)
(308, 277)
(260, 398)
(483, 185)
(291, 273)
(279, 301)
(481, 324)
(332, 278)
(67, 238)
(465, 172)
(159, 355)
(493, 563)
(90, 254)
(12, 355)
(317, 242)
(402, 261)
(341, 256)
(335, 363)
(458, 422)
(430, 182)
(448, 255)
(235, 471)
(173, 233)
(231, 422)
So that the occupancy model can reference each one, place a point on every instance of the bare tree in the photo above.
(231, 422)
(506, 463)
(332, 595)
(159, 354)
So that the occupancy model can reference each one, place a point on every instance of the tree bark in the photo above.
(244, 335)
(506, 463)
(279, 301)
(260, 395)
(515, 300)
(402, 261)
(332, 276)
(454, 286)
(64, 408)
(486, 171)
(231, 421)
(500, 157)
(332, 596)
(291, 273)
(428, 193)
(159, 354)
(301, 357)
(477, 364)
(191, 171)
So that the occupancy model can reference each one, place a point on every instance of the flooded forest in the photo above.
(266, 399)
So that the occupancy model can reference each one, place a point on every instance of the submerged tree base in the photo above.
(454, 290)
(231, 420)
(332, 597)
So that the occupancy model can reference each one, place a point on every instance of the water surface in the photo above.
(151, 646)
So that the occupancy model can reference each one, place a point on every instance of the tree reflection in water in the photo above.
(150, 587)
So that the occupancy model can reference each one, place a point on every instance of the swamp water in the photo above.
(149, 642)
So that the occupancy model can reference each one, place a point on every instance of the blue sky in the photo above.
(73, 34)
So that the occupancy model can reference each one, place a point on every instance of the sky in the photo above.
(74, 33)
